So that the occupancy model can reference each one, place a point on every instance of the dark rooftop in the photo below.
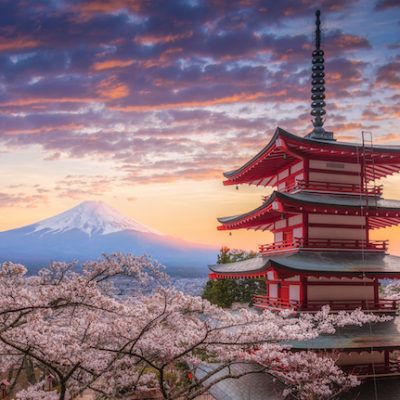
(335, 145)
(320, 199)
(317, 261)
(264, 387)
(379, 335)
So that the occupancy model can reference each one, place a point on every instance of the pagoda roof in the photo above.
(285, 147)
(378, 335)
(317, 263)
(261, 386)
(381, 212)
(252, 385)
(382, 388)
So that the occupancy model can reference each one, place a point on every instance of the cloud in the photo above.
(17, 44)
(167, 90)
(111, 64)
(21, 200)
(381, 112)
(389, 75)
(78, 187)
(236, 98)
(389, 137)
(337, 42)
(386, 4)
(111, 88)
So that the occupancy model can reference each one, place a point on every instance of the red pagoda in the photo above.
(325, 204)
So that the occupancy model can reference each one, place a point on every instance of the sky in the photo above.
(143, 104)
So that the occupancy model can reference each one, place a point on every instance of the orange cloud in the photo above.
(347, 41)
(109, 64)
(7, 44)
(154, 39)
(389, 137)
(110, 88)
(31, 101)
(106, 6)
(164, 58)
(236, 98)
(44, 129)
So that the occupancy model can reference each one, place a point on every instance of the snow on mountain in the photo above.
(93, 228)
(91, 217)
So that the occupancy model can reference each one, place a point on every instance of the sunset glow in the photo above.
(143, 105)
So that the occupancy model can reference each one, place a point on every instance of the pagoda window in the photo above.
(278, 237)
(281, 224)
(323, 171)
(297, 167)
(295, 220)
(270, 275)
(336, 233)
(361, 358)
(294, 292)
(284, 174)
(352, 220)
(273, 290)
(339, 292)
(298, 233)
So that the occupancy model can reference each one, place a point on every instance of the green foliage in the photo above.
(224, 292)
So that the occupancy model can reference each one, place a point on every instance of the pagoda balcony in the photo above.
(324, 244)
(372, 370)
(331, 187)
(382, 305)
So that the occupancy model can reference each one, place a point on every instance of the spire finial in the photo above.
(317, 30)
(318, 87)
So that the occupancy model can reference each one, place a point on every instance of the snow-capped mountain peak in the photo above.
(92, 218)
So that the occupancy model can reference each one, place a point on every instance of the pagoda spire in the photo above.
(318, 87)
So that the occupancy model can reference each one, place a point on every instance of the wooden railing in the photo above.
(320, 186)
(340, 244)
(346, 244)
(376, 369)
(273, 302)
(276, 246)
(383, 305)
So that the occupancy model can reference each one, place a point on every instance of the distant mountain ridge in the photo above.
(91, 228)
(93, 218)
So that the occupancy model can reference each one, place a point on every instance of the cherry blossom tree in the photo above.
(72, 332)
(391, 291)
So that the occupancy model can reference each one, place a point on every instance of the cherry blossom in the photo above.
(69, 323)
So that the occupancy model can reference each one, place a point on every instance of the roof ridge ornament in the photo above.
(318, 88)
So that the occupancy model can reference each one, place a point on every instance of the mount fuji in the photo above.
(92, 228)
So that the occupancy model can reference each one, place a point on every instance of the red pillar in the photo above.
(387, 353)
(376, 292)
(305, 229)
(306, 170)
(303, 292)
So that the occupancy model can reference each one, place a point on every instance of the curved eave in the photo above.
(263, 165)
(343, 202)
(321, 271)
(382, 214)
(263, 215)
(256, 266)
(316, 263)
(378, 335)
(346, 201)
